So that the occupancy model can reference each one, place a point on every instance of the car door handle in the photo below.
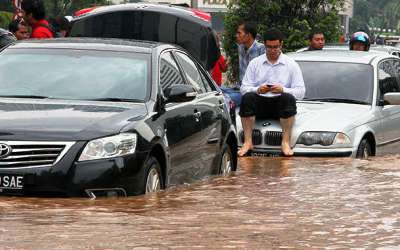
(197, 115)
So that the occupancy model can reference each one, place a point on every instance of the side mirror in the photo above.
(392, 98)
(180, 93)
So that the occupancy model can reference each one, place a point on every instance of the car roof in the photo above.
(338, 56)
(104, 44)
(163, 8)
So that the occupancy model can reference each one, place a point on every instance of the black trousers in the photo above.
(283, 106)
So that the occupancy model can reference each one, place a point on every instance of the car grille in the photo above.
(271, 138)
(34, 154)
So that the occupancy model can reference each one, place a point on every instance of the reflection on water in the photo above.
(270, 203)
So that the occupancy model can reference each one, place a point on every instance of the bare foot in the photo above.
(286, 150)
(245, 148)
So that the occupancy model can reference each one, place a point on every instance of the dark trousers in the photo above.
(283, 106)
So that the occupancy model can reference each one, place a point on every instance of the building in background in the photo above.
(345, 14)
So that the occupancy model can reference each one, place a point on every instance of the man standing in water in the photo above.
(270, 87)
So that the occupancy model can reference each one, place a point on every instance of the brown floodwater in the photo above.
(270, 203)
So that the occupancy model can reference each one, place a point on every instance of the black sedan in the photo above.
(96, 117)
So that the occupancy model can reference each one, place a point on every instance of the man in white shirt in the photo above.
(270, 87)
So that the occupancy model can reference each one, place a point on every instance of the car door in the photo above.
(211, 106)
(182, 126)
(388, 82)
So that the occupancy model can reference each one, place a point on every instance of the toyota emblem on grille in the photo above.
(5, 150)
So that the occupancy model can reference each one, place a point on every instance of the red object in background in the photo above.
(84, 11)
(220, 66)
(204, 15)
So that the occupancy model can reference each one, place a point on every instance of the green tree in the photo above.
(5, 19)
(68, 7)
(295, 18)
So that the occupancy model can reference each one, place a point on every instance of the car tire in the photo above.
(153, 179)
(364, 149)
(226, 165)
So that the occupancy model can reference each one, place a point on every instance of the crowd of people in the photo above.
(32, 24)
(270, 82)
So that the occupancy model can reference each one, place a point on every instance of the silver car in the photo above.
(350, 107)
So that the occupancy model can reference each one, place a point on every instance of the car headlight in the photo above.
(323, 138)
(108, 147)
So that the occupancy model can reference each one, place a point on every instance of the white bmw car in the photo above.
(351, 107)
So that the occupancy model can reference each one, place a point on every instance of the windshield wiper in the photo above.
(112, 99)
(342, 100)
(26, 96)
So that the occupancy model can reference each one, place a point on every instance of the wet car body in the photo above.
(347, 110)
(49, 136)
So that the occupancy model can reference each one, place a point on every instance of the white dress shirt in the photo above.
(285, 72)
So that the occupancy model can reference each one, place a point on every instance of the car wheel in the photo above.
(364, 149)
(154, 180)
(226, 165)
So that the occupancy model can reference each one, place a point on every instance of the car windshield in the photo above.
(338, 82)
(74, 74)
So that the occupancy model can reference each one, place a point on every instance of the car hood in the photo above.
(325, 116)
(64, 120)
(322, 116)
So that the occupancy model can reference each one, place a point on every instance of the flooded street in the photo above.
(270, 203)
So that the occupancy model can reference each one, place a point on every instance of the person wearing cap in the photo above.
(359, 41)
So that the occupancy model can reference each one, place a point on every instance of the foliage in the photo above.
(5, 19)
(295, 18)
(68, 7)
(384, 14)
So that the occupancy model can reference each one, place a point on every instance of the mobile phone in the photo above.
(270, 85)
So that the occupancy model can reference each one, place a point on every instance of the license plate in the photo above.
(11, 182)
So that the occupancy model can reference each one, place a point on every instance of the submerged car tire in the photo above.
(226, 164)
(364, 149)
(153, 181)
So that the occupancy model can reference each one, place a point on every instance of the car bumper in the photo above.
(117, 177)
(309, 152)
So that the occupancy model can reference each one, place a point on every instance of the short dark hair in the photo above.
(273, 34)
(313, 33)
(249, 27)
(14, 26)
(34, 7)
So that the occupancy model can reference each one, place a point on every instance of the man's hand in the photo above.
(263, 89)
(276, 89)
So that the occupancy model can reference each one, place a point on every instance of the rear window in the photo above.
(198, 40)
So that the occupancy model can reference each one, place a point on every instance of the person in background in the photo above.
(272, 83)
(34, 14)
(359, 41)
(317, 40)
(60, 25)
(248, 48)
(219, 67)
(19, 29)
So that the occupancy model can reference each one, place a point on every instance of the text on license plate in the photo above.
(11, 182)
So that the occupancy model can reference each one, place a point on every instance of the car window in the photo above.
(338, 80)
(191, 71)
(75, 74)
(169, 72)
(143, 25)
(387, 79)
